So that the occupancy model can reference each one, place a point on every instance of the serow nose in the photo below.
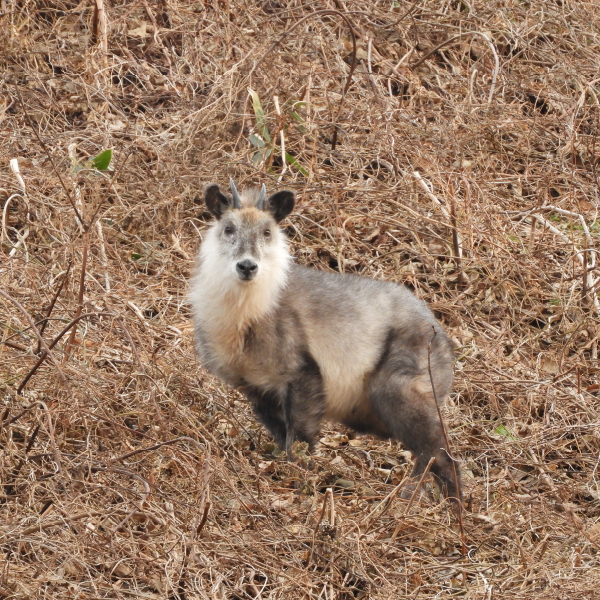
(246, 269)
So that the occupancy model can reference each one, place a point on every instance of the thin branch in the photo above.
(43, 344)
(54, 342)
(496, 70)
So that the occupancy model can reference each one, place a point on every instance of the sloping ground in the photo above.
(128, 472)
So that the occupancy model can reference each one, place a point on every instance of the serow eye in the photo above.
(228, 230)
(267, 233)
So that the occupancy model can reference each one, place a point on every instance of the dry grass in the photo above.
(127, 471)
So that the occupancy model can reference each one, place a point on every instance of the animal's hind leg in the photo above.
(406, 403)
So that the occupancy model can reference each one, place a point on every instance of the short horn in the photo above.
(262, 197)
(237, 203)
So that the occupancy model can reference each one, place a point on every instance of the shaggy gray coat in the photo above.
(307, 346)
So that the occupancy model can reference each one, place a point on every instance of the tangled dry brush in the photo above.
(454, 149)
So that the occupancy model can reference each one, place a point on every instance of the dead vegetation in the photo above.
(461, 160)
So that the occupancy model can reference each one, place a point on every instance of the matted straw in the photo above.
(465, 166)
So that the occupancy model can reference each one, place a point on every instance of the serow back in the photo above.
(307, 346)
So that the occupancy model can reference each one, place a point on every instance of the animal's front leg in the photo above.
(288, 416)
(307, 402)
(267, 406)
(304, 405)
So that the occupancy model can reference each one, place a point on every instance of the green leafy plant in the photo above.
(262, 140)
(296, 117)
(100, 162)
(502, 430)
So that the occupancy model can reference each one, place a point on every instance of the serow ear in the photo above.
(216, 201)
(280, 204)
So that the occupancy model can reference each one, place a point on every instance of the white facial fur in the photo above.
(222, 301)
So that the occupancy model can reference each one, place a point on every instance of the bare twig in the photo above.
(43, 344)
(71, 340)
(458, 501)
(44, 355)
(580, 255)
(489, 42)
(53, 302)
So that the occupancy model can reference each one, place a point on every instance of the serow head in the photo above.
(247, 231)
(279, 205)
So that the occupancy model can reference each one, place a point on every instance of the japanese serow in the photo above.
(306, 346)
